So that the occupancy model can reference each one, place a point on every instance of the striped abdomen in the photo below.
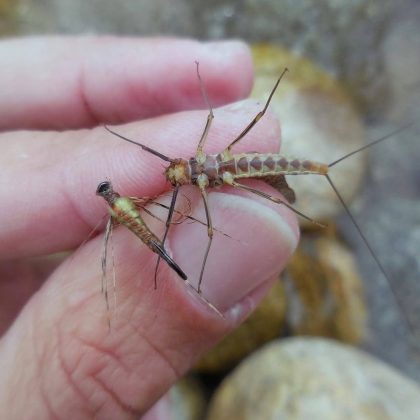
(250, 165)
(126, 213)
(244, 165)
(257, 165)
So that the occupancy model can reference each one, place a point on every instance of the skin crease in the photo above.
(56, 352)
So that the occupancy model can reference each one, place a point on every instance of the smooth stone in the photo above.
(324, 289)
(319, 122)
(310, 378)
(186, 400)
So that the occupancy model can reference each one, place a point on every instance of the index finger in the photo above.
(76, 82)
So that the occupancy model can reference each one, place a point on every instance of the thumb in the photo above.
(59, 356)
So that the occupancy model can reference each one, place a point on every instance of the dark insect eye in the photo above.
(103, 187)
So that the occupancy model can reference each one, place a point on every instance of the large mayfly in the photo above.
(226, 168)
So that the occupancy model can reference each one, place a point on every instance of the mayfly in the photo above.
(226, 168)
(125, 211)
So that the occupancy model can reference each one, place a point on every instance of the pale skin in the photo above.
(57, 357)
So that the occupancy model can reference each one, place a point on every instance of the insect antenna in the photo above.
(145, 148)
(392, 288)
(393, 133)
(394, 293)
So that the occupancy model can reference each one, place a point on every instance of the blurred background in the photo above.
(354, 76)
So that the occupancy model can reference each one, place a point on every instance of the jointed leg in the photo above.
(209, 233)
(182, 216)
(141, 204)
(257, 117)
(275, 200)
(210, 117)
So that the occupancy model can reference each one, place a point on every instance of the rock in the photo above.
(324, 289)
(401, 65)
(147, 18)
(184, 401)
(9, 17)
(306, 378)
(187, 399)
(345, 37)
(318, 122)
(262, 326)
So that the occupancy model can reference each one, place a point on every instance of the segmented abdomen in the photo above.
(126, 213)
(259, 165)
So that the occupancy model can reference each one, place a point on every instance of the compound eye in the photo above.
(103, 188)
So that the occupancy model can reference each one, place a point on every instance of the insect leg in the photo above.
(275, 200)
(168, 224)
(227, 151)
(209, 233)
(210, 117)
(182, 216)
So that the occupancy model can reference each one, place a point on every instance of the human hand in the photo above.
(58, 358)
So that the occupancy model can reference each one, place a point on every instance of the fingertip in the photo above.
(228, 61)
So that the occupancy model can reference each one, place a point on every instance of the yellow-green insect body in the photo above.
(123, 210)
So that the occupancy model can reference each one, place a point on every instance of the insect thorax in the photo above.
(209, 169)
(178, 172)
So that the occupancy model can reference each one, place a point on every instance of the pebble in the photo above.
(312, 378)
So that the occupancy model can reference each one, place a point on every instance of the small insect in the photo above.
(125, 211)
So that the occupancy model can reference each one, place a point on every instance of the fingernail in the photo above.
(259, 244)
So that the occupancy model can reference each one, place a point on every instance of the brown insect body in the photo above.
(217, 170)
